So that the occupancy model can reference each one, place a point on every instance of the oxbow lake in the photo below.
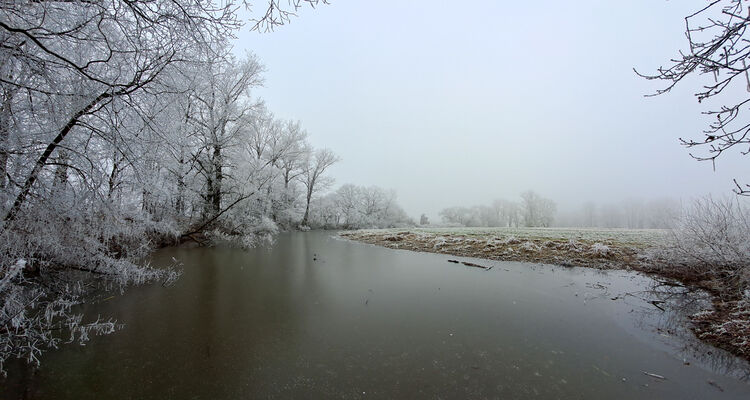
(315, 316)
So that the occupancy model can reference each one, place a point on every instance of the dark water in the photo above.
(368, 322)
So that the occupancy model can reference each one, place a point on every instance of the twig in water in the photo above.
(716, 385)
(654, 375)
(468, 264)
(656, 304)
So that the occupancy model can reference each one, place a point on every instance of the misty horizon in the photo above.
(384, 199)
(453, 106)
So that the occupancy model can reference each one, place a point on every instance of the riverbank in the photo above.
(726, 326)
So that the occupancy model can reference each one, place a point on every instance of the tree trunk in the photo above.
(207, 205)
(216, 196)
(307, 206)
(218, 177)
(180, 201)
(112, 183)
(42, 160)
(61, 172)
(5, 115)
(145, 200)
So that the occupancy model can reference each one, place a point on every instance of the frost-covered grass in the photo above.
(727, 326)
(599, 248)
(641, 238)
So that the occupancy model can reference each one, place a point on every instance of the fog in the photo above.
(146, 143)
(455, 103)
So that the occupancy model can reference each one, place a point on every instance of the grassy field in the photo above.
(597, 248)
(641, 238)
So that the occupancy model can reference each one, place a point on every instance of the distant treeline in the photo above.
(533, 210)
(631, 213)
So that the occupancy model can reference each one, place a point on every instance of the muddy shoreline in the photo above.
(726, 326)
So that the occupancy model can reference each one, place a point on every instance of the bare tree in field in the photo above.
(718, 50)
(313, 179)
(537, 210)
(507, 212)
(423, 220)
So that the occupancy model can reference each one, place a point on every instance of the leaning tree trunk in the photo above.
(42, 160)
(112, 182)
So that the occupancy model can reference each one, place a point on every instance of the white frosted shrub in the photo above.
(712, 239)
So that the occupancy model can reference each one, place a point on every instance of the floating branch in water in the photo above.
(469, 264)
(716, 385)
(653, 375)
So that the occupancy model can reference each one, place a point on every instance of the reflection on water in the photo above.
(317, 317)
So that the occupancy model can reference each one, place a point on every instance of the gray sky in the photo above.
(458, 103)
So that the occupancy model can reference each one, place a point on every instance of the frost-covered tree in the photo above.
(507, 212)
(313, 178)
(114, 117)
(283, 145)
(347, 201)
(294, 147)
(76, 80)
(355, 207)
(717, 53)
(534, 210)
(537, 210)
(68, 63)
(221, 111)
(485, 216)
(423, 220)
(456, 215)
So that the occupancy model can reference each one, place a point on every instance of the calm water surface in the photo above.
(319, 317)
